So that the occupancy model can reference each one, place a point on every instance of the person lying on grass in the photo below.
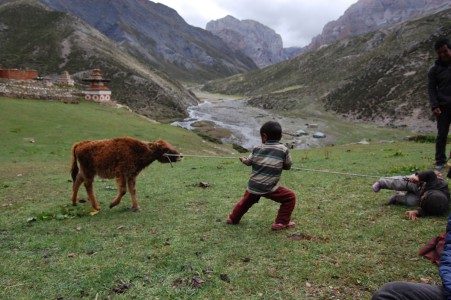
(426, 189)
(267, 161)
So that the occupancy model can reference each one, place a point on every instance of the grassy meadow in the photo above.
(347, 242)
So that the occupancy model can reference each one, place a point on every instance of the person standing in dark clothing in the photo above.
(439, 90)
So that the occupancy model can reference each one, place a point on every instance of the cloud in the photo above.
(297, 21)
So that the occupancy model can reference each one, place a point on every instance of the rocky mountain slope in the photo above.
(254, 39)
(370, 15)
(33, 37)
(377, 77)
(158, 36)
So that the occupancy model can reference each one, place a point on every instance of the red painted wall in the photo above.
(18, 74)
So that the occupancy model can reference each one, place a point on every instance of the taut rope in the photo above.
(293, 168)
(203, 156)
(334, 172)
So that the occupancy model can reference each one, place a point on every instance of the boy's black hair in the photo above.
(434, 203)
(273, 130)
(442, 42)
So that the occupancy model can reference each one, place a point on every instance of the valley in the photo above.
(231, 120)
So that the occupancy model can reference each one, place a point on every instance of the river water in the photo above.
(244, 123)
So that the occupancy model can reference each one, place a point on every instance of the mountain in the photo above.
(33, 37)
(370, 15)
(254, 39)
(158, 36)
(377, 77)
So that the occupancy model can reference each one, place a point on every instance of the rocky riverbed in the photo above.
(233, 121)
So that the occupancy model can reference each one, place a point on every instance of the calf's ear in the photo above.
(162, 146)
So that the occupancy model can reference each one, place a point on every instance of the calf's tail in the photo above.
(74, 166)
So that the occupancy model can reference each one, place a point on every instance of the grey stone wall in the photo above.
(34, 89)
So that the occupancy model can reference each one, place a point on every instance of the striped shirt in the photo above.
(267, 161)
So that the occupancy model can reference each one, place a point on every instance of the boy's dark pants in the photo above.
(284, 196)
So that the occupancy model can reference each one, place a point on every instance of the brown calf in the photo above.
(121, 158)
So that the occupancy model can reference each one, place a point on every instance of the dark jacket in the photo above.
(439, 85)
(434, 194)
(445, 262)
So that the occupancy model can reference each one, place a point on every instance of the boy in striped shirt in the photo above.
(267, 161)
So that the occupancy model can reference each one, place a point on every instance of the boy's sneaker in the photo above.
(279, 226)
(229, 220)
(377, 187)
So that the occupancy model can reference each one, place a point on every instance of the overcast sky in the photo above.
(297, 21)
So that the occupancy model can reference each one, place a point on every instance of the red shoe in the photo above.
(279, 226)
(229, 220)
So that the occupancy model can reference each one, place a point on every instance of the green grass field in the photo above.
(347, 242)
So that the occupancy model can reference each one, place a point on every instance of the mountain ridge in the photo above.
(52, 42)
(159, 37)
(254, 39)
(378, 77)
(366, 16)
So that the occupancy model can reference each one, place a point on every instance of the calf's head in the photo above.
(165, 152)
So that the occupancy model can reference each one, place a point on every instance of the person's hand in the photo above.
(412, 214)
(437, 111)
(438, 174)
(414, 179)
(244, 160)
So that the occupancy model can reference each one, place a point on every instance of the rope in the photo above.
(202, 156)
(169, 159)
(293, 168)
(333, 172)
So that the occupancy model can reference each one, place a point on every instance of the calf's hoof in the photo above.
(134, 209)
(94, 212)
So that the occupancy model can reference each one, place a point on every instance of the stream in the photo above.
(244, 123)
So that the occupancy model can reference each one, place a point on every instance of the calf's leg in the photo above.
(121, 188)
(75, 187)
(90, 191)
(132, 189)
